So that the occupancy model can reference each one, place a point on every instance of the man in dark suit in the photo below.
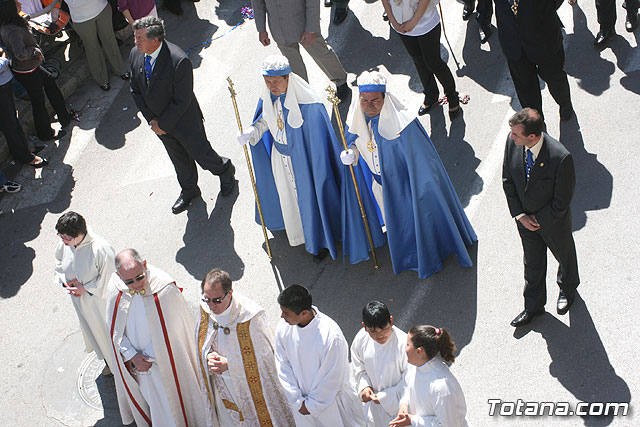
(538, 178)
(607, 19)
(162, 87)
(530, 34)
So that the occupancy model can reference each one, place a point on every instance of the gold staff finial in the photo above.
(251, 175)
(333, 98)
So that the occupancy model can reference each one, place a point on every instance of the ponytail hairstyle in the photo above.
(434, 341)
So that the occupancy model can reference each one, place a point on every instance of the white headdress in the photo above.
(298, 92)
(394, 116)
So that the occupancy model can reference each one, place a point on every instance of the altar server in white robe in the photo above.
(313, 365)
(84, 265)
(152, 344)
(235, 347)
(433, 396)
(378, 362)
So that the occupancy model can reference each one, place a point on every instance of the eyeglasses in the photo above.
(135, 279)
(65, 238)
(214, 300)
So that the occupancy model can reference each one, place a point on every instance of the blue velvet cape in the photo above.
(425, 220)
(326, 197)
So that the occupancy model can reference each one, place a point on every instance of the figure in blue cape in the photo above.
(296, 158)
(424, 219)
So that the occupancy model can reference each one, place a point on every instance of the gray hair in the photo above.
(127, 259)
(153, 26)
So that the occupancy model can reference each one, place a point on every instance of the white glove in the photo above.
(348, 157)
(247, 136)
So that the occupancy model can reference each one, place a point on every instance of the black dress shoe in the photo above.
(322, 254)
(61, 133)
(564, 302)
(525, 317)
(485, 33)
(602, 37)
(632, 22)
(466, 13)
(105, 86)
(566, 112)
(181, 204)
(228, 180)
(340, 15)
(328, 3)
(343, 92)
(126, 76)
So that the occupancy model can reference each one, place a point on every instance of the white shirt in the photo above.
(434, 396)
(381, 367)
(405, 11)
(154, 55)
(137, 336)
(85, 10)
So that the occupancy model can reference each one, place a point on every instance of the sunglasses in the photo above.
(135, 279)
(214, 300)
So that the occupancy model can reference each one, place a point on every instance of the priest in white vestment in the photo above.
(313, 364)
(237, 364)
(84, 265)
(152, 342)
(432, 395)
(379, 362)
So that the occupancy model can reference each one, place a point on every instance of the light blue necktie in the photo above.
(529, 164)
(147, 67)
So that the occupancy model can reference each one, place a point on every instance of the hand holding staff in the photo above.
(246, 156)
(335, 101)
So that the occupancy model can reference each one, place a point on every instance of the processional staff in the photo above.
(246, 156)
(335, 101)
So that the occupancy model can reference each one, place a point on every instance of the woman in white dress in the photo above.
(433, 396)
(84, 264)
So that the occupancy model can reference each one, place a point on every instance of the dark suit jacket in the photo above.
(169, 96)
(548, 193)
(536, 31)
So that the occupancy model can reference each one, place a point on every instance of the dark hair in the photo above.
(433, 341)
(9, 14)
(530, 119)
(72, 224)
(296, 298)
(217, 276)
(376, 315)
(153, 26)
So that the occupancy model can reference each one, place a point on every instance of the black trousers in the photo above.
(524, 74)
(607, 12)
(535, 243)
(37, 83)
(185, 150)
(10, 126)
(484, 9)
(425, 52)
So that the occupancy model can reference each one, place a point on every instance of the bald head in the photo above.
(128, 259)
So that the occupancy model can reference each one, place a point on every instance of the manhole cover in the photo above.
(96, 390)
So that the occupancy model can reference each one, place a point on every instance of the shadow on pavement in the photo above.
(580, 361)
(457, 155)
(446, 299)
(594, 183)
(209, 239)
(24, 224)
(583, 60)
(107, 390)
(123, 116)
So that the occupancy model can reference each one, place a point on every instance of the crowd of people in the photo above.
(228, 367)
(386, 184)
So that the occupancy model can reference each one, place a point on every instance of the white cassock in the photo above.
(434, 396)
(381, 367)
(313, 368)
(137, 339)
(371, 156)
(283, 176)
(92, 264)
